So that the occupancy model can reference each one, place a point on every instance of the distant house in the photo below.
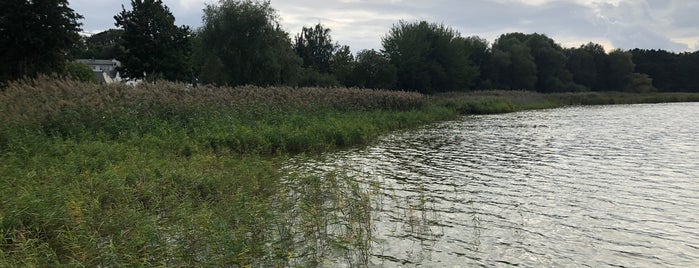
(105, 70)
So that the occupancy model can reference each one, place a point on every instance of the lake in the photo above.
(593, 186)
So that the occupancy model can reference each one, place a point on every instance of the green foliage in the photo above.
(479, 53)
(35, 37)
(162, 175)
(512, 65)
(246, 45)
(669, 71)
(495, 101)
(618, 70)
(311, 77)
(315, 47)
(103, 45)
(605, 98)
(158, 174)
(154, 48)
(374, 70)
(586, 64)
(342, 66)
(429, 57)
(552, 74)
(79, 72)
(640, 83)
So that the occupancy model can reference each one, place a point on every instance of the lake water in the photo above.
(600, 186)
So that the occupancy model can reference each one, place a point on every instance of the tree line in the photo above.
(241, 42)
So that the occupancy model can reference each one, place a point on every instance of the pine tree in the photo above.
(154, 47)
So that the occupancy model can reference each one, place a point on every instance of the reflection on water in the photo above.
(582, 186)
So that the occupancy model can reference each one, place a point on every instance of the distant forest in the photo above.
(242, 43)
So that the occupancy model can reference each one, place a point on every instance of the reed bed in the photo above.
(606, 98)
(168, 175)
(506, 101)
(44, 98)
(494, 101)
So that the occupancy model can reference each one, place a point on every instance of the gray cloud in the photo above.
(644, 24)
(666, 24)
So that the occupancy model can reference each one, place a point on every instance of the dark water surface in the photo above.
(574, 187)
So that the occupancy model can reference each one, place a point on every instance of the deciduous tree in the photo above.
(429, 57)
(342, 65)
(35, 36)
(618, 70)
(582, 66)
(315, 46)
(552, 74)
(374, 70)
(104, 45)
(513, 65)
(80, 72)
(245, 44)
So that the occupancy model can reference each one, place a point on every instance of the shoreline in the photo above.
(160, 175)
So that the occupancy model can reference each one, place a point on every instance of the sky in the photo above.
(650, 24)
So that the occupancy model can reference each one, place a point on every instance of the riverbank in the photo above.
(501, 101)
(165, 175)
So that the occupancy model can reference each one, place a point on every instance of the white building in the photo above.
(105, 70)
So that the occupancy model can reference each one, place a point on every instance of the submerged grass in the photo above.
(166, 175)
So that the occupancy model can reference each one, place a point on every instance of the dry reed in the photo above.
(44, 99)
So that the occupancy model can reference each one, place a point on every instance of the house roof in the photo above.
(99, 62)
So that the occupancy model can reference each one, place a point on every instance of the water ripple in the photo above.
(609, 186)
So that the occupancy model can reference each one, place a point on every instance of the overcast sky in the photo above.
(652, 24)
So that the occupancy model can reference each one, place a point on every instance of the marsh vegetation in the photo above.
(166, 174)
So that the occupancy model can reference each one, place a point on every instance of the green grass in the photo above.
(163, 175)
(605, 98)
(500, 101)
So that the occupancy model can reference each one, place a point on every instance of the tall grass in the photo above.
(495, 101)
(605, 98)
(502, 101)
(166, 175)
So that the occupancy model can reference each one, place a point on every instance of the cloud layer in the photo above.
(626, 24)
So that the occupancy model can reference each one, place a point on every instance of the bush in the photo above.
(80, 72)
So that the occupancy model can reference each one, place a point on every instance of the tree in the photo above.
(374, 70)
(552, 74)
(154, 47)
(670, 71)
(315, 47)
(429, 57)
(35, 36)
(581, 64)
(618, 70)
(342, 65)
(244, 44)
(640, 83)
(103, 45)
(513, 66)
(688, 68)
(80, 72)
(478, 51)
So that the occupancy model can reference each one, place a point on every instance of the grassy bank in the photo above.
(165, 175)
(500, 101)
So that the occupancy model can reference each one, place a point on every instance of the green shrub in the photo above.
(79, 72)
